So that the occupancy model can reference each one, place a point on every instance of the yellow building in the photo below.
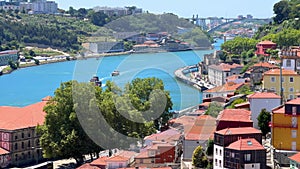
(290, 82)
(284, 122)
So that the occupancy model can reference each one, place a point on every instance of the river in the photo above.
(29, 85)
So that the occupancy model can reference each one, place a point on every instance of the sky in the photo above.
(185, 8)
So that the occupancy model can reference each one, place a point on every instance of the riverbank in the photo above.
(199, 84)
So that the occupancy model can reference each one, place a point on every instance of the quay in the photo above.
(200, 84)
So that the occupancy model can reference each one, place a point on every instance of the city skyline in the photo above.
(212, 8)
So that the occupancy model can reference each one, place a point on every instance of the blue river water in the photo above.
(29, 85)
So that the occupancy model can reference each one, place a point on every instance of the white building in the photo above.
(40, 7)
(9, 7)
(291, 59)
(259, 101)
(217, 74)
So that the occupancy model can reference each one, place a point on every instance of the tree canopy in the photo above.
(84, 116)
(199, 158)
(263, 121)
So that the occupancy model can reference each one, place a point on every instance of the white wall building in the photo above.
(217, 74)
(259, 101)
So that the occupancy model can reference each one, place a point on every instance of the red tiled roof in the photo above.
(168, 135)
(87, 166)
(147, 168)
(117, 158)
(143, 154)
(295, 157)
(294, 101)
(279, 110)
(238, 131)
(235, 115)
(13, 118)
(277, 72)
(263, 95)
(224, 66)
(246, 104)
(101, 161)
(246, 144)
(203, 128)
(227, 87)
(265, 64)
(266, 42)
(3, 151)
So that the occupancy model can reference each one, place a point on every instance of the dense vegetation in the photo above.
(78, 114)
(284, 30)
(151, 23)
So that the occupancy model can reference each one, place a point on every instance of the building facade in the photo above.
(291, 59)
(262, 47)
(217, 74)
(290, 79)
(245, 153)
(8, 55)
(18, 135)
(106, 47)
(222, 91)
(259, 101)
(257, 71)
(284, 123)
(223, 138)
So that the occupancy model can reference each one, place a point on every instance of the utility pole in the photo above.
(281, 90)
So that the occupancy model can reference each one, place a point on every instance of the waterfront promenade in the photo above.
(199, 84)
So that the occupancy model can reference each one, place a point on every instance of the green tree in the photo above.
(199, 158)
(214, 109)
(99, 18)
(210, 147)
(282, 11)
(263, 121)
(61, 134)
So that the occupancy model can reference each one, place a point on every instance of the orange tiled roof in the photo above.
(263, 95)
(294, 101)
(237, 131)
(168, 135)
(30, 116)
(242, 105)
(117, 158)
(266, 42)
(3, 151)
(277, 72)
(246, 144)
(264, 64)
(235, 115)
(203, 128)
(100, 161)
(224, 66)
(295, 157)
(227, 87)
(87, 166)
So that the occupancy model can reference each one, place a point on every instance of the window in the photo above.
(16, 157)
(294, 133)
(220, 163)
(272, 79)
(22, 145)
(216, 162)
(273, 89)
(291, 79)
(232, 155)
(247, 157)
(291, 96)
(22, 135)
(216, 151)
(220, 152)
(29, 145)
(294, 146)
(298, 63)
(16, 146)
(29, 134)
(291, 89)
(288, 63)
(16, 137)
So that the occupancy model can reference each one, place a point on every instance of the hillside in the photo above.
(179, 28)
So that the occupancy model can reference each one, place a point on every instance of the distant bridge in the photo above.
(215, 23)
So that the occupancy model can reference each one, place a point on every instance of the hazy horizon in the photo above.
(188, 8)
